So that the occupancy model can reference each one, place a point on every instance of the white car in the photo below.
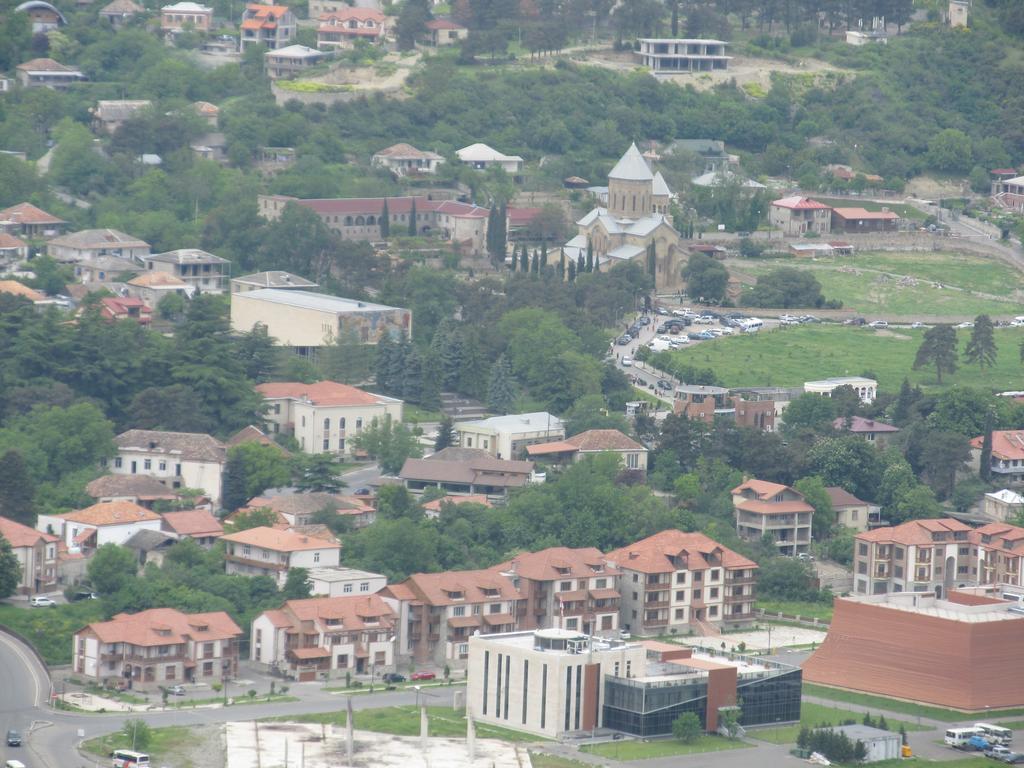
(789, 321)
(878, 324)
(967, 324)
(704, 320)
(41, 601)
(1016, 323)
(627, 361)
(919, 324)
(725, 331)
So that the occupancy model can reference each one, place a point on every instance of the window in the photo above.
(327, 425)
(163, 466)
(341, 423)
(680, 594)
(564, 586)
(601, 583)
(459, 610)
(714, 575)
(341, 444)
(147, 464)
(327, 444)
(572, 623)
(364, 586)
(316, 557)
(713, 610)
(862, 550)
(681, 577)
(680, 614)
(713, 593)
(169, 672)
(359, 423)
(494, 608)
(303, 421)
(696, 594)
(636, 577)
(469, 442)
(117, 462)
(347, 588)
(277, 409)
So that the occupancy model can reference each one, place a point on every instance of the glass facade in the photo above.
(649, 708)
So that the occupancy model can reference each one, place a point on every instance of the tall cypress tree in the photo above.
(597, 264)
(514, 262)
(572, 271)
(524, 260)
(543, 253)
(491, 250)
(581, 265)
(534, 264)
(412, 376)
(561, 265)
(590, 255)
(386, 350)
(412, 219)
(385, 221)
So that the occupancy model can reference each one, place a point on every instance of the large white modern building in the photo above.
(506, 437)
(674, 56)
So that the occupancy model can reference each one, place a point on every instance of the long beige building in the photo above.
(306, 321)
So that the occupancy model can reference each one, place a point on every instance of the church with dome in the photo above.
(636, 215)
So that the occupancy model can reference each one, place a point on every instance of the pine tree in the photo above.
(543, 253)
(904, 402)
(572, 271)
(10, 569)
(561, 265)
(17, 490)
(430, 385)
(597, 264)
(502, 237)
(581, 265)
(385, 221)
(492, 231)
(985, 460)
(651, 259)
(981, 348)
(590, 256)
(501, 388)
(412, 219)
(386, 351)
(938, 348)
(514, 261)
(445, 433)
(524, 260)
(396, 371)
(412, 377)
(534, 264)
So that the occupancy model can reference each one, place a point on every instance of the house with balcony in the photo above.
(47, 73)
(916, 556)
(203, 271)
(593, 442)
(323, 637)
(272, 26)
(115, 308)
(1007, 460)
(27, 221)
(157, 648)
(36, 553)
(1000, 550)
(439, 612)
(109, 115)
(325, 416)
(291, 60)
(341, 28)
(665, 56)
(466, 472)
(406, 160)
(799, 216)
(107, 522)
(699, 402)
(176, 459)
(197, 524)
(563, 588)
(866, 389)
(675, 582)
(91, 244)
(481, 157)
(273, 552)
(441, 32)
(775, 510)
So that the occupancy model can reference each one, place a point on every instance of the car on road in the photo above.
(878, 324)
(809, 319)
(84, 595)
(917, 324)
(627, 361)
(855, 321)
(742, 233)
(1014, 758)
(998, 752)
(664, 384)
(42, 601)
(422, 676)
(966, 324)
(13, 738)
(362, 492)
(704, 320)
(624, 339)
(645, 320)
(393, 677)
(706, 335)
(660, 311)
(694, 336)
(663, 328)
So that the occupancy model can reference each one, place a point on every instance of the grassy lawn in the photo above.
(902, 210)
(413, 413)
(820, 611)
(642, 750)
(49, 630)
(869, 283)
(960, 762)
(791, 356)
(405, 721)
(904, 707)
(813, 715)
(162, 748)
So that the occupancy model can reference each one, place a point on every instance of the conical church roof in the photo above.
(632, 167)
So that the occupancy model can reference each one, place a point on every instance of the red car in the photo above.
(422, 676)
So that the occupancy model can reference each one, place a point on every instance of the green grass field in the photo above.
(405, 721)
(163, 745)
(870, 283)
(49, 630)
(820, 611)
(643, 750)
(959, 762)
(900, 209)
(813, 715)
(904, 707)
(791, 356)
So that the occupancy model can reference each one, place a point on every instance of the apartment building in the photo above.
(264, 551)
(323, 637)
(157, 648)
(439, 612)
(916, 556)
(326, 415)
(1000, 547)
(36, 553)
(272, 26)
(764, 508)
(673, 56)
(203, 271)
(1007, 462)
(563, 588)
(176, 459)
(675, 582)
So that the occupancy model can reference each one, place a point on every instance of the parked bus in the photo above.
(996, 734)
(958, 737)
(751, 325)
(127, 758)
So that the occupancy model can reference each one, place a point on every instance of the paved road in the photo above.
(363, 477)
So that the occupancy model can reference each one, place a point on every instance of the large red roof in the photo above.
(797, 202)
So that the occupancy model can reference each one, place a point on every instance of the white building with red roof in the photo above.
(590, 443)
(1007, 461)
(36, 552)
(675, 581)
(405, 160)
(797, 216)
(325, 416)
(770, 509)
(108, 522)
(339, 29)
(273, 552)
(444, 32)
(326, 636)
(157, 648)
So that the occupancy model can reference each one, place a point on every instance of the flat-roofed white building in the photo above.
(506, 437)
(272, 279)
(345, 582)
(205, 272)
(307, 321)
(680, 55)
(866, 389)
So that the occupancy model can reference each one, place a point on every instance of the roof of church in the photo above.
(660, 188)
(632, 167)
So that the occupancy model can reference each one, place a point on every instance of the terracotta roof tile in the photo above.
(26, 213)
(438, 588)
(21, 535)
(144, 628)
(189, 446)
(325, 393)
(556, 563)
(137, 486)
(655, 553)
(912, 532)
(279, 541)
(353, 612)
(111, 513)
(1006, 444)
(840, 497)
(858, 424)
(193, 522)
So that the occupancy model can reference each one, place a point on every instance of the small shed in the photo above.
(880, 745)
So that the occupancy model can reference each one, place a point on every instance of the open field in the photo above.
(904, 707)
(914, 285)
(540, 760)
(49, 629)
(820, 611)
(405, 721)
(813, 715)
(177, 745)
(642, 750)
(791, 356)
(903, 210)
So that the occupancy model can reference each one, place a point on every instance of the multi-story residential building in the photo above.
(90, 244)
(1007, 461)
(1000, 550)
(307, 321)
(439, 612)
(466, 472)
(462, 224)
(186, 15)
(563, 588)
(406, 160)
(326, 637)
(158, 648)
(916, 556)
(1002, 505)
(345, 582)
(28, 221)
(507, 437)
(203, 271)
(272, 279)
(324, 417)
(593, 442)
(291, 60)
(108, 522)
(764, 508)
(850, 511)
(866, 388)
(177, 459)
(272, 552)
(665, 56)
(341, 28)
(797, 216)
(37, 554)
(272, 26)
(677, 582)
(47, 73)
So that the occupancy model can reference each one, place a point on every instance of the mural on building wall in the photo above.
(370, 327)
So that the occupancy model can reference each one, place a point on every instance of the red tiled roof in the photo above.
(143, 629)
(358, 14)
(440, 24)
(20, 289)
(21, 535)
(762, 488)
(840, 497)
(758, 507)
(193, 522)
(912, 532)
(436, 504)
(799, 203)
(309, 653)
(654, 554)
(321, 393)
(351, 611)
(10, 242)
(556, 563)
(279, 541)
(863, 213)
(436, 588)
(520, 217)
(111, 513)
(1006, 444)
(859, 424)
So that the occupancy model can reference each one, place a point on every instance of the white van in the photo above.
(127, 758)
(751, 325)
